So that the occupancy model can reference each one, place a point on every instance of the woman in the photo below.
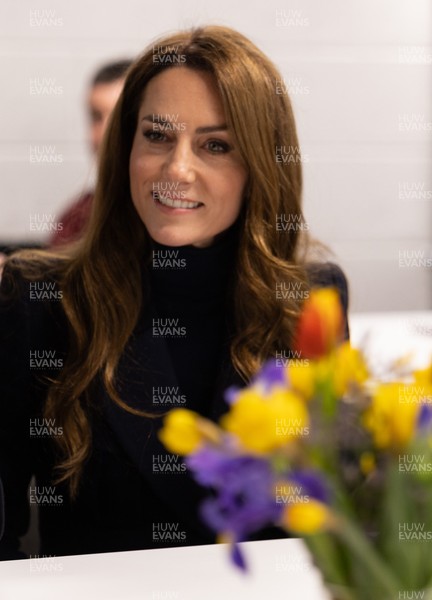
(168, 300)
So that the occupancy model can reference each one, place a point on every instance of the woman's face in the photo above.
(186, 175)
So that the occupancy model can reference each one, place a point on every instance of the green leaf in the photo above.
(325, 550)
(369, 568)
(400, 511)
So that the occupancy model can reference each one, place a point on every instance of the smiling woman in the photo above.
(173, 295)
(187, 176)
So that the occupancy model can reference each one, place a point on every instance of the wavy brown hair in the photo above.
(101, 276)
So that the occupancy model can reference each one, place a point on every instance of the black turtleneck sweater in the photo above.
(124, 490)
(191, 294)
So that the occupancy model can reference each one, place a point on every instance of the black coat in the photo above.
(132, 495)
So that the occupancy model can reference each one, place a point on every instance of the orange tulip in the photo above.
(320, 325)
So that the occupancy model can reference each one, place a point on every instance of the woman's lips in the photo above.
(169, 201)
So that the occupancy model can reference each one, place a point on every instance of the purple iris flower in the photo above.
(424, 421)
(271, 375)
(208, 466)
(243, 500)
(231, 394)
(312, 484)
(237, 557)
(268, 376)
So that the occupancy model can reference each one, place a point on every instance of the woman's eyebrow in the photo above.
(155, 118)
(158, 118)
(211, 128)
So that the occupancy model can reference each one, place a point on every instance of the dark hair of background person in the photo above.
(111, 72)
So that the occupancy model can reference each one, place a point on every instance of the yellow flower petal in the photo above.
(180, 432)
(423, 383)
(290, 416)
(367, 463)
(264, 423)
(350, 369)
(303, 378)
(307, 518)
(390, 419)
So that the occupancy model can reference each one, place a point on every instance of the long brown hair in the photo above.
(101, 277)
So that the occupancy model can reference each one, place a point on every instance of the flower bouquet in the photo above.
(322, 449)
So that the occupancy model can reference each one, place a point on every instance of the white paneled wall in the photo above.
(360, 77)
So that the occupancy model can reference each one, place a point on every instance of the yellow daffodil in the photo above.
(390, 419)
(302, 378)
(264, 423)
(307, 518)
(367, 463)
(423, 383)
(340, 369)
(349, 369)
(181, 433)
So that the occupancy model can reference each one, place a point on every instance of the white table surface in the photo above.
(279, 570)
(390, 335)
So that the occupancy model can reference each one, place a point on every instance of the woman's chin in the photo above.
(176, 239)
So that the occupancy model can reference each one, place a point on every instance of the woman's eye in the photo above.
(153, 135)
(218, 147)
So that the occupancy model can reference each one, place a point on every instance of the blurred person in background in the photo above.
(104, 90)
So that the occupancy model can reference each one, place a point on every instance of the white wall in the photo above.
(361, 72)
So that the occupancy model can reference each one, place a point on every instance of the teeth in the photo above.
(176, 203)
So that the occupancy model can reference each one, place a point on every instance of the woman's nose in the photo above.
(180, 165)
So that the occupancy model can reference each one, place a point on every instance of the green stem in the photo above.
(328, 400)
(366, 553)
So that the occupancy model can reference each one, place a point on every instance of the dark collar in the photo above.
(193, 273)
